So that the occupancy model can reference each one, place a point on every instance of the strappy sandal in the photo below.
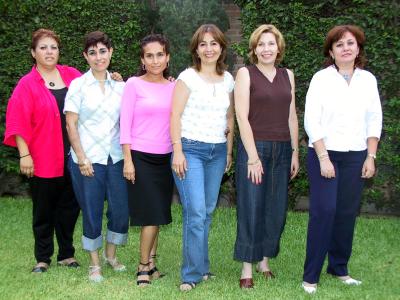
(187, 286)
(40, 267)
(69, 262)
(154, 272)
(208, 276)
(95, 274)
(114, 263)
(143, 282)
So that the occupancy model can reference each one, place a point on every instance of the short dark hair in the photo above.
(335, 34)
(197, 38)
(95, 37)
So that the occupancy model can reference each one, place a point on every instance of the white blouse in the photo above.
(204, 116)
(343, 115)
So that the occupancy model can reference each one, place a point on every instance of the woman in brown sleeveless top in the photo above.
(267, 154)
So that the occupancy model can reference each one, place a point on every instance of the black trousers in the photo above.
(54, 209)
(334, 205)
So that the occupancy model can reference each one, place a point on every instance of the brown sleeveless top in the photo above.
(269, 105)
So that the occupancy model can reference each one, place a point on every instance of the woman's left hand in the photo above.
(294, 166)
(116, 76)
(368, 169)
(228, 162)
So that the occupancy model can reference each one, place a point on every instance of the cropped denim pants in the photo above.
(107, 183)
(261, 209)
(199, 194)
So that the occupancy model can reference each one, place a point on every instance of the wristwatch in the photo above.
(373, 155)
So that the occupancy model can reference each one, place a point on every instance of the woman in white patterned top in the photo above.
(202, 135)
(92, 110)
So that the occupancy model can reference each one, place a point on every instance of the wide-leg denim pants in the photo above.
(107, 183)
(198, 192)
(334, 205)
(261, 209)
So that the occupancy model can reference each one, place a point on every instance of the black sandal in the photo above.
(143, 282)
(154, 272)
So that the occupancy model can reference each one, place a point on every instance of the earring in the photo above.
(167, 64)
(143, 67)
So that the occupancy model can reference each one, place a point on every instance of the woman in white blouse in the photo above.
(343, 120)
(202, 113)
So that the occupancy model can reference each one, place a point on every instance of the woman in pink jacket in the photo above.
(35, 125)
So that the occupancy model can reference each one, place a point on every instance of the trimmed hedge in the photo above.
(120, 19)
(304, 25)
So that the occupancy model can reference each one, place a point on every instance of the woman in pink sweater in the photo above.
(146, 143)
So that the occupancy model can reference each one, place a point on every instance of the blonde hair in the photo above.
(255, 38)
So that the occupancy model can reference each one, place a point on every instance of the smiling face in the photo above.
(345, 50)
(46, 52)
(267, 49)
(155, 59)
(98, 58)
(208, 50)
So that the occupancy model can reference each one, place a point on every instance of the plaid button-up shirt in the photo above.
(98, 122)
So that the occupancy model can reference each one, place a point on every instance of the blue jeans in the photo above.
(199, 194)
(261, 209)
(107, 183)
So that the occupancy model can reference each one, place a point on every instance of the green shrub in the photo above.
(120, 19)
(304, 24)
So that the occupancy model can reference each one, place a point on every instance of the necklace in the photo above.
(346, 77)
(51, 83)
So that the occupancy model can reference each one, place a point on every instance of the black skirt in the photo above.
(150, 196)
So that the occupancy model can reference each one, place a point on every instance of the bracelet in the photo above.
(323, 154)
(295, 149)
(253, 163)
(230, 154)
(373, 155)
(176, 142)
(25, 155)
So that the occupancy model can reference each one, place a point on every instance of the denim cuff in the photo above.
(116, 238)
(92, 244)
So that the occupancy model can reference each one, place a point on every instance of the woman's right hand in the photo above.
(26, 166)
(86, 168)
(255, 171)
(129, 170)
(327, 168)
(179, 165)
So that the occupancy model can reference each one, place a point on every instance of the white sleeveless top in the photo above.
(204, 116)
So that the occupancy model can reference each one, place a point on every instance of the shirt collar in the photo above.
(91, 79)
(36, 75)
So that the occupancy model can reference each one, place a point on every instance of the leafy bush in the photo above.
(304, 24)
(120, 19)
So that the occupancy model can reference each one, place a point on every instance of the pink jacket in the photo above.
(33, 114)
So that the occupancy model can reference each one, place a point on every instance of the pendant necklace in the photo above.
(51, 83)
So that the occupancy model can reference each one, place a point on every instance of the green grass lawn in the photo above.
(375, 260)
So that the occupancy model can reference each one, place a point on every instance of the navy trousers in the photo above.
(334, 205)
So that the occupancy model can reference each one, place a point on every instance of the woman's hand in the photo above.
(228, 162)
(26, 166)
(327, 168)
(294, 166)
(255, 171)
(86, 168)
(129, 170)
(116, 76)
(179, 165)
(368, 169)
